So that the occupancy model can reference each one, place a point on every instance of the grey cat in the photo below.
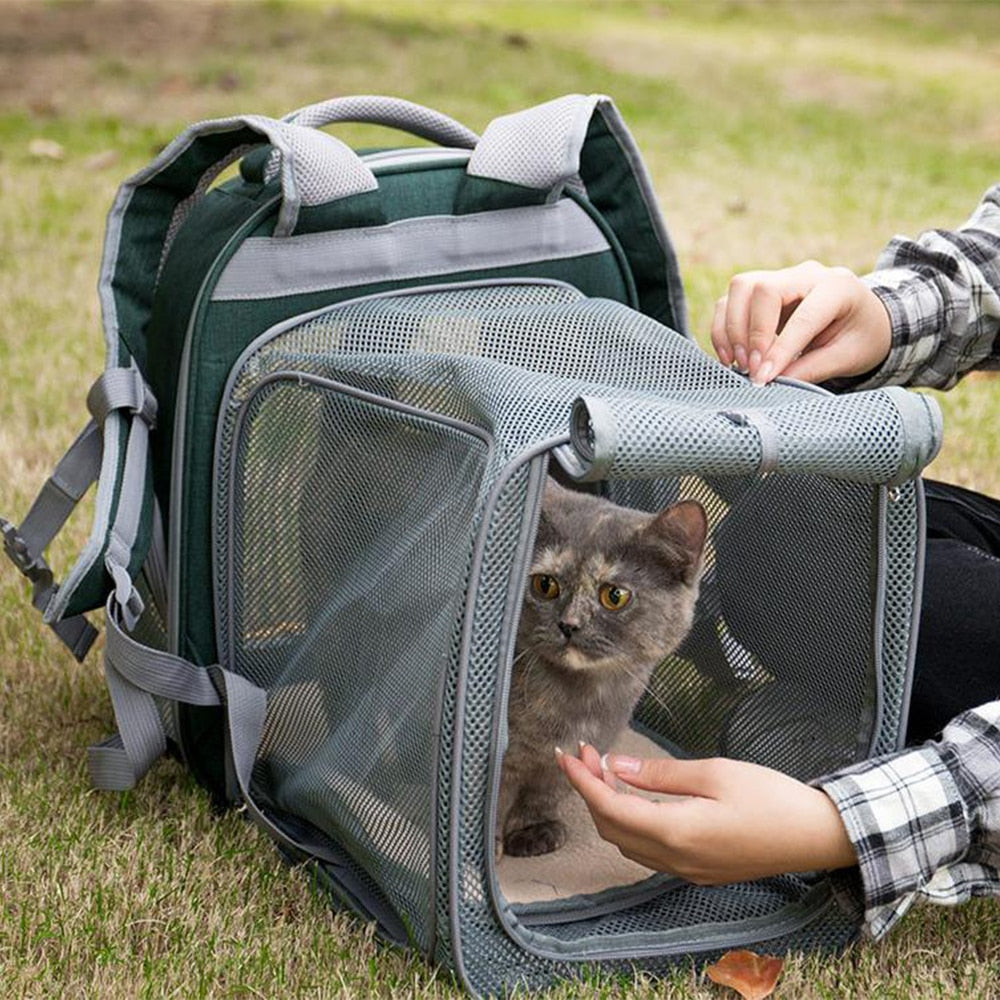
(610, 594)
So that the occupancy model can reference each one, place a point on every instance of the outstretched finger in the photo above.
(665, 774)
(818, 311)
(593, 788)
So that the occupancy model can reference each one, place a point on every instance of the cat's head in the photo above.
(610, 587)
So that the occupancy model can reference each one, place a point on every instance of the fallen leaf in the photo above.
(45, 149)
(753, 976)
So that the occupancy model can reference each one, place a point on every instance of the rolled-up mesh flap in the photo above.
(884, 436)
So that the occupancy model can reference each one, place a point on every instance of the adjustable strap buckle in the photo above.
(34, 567)
(76, 632)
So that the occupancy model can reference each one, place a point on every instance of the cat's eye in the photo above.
(614, 598)
(544, 586)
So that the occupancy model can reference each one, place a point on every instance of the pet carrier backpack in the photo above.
(335, 386)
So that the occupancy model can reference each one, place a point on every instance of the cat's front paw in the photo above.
(538, 838)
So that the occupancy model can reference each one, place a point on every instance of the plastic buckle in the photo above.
(36, 569)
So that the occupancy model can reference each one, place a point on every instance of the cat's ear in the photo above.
(685, 525)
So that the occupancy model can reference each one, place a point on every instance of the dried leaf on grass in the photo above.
(753, 976)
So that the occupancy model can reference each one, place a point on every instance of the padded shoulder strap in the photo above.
(580, 142)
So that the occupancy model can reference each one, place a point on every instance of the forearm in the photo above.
(942, 293)
(926, 821)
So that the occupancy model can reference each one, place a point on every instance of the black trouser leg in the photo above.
(958, 651)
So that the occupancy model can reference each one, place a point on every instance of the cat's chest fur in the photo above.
(549, 706)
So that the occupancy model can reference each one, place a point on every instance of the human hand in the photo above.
(809, 322)
(737, 820)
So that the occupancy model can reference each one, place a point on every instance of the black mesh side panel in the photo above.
(780, 665)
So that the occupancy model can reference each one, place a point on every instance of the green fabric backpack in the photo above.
(335, 385)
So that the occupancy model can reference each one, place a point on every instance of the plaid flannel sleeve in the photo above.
(942, 292)
(925, 821)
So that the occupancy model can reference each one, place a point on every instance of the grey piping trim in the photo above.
(615, 122)
(475, 571)
(518, 574)
(791, 917)
(265, 267)
(878, 634)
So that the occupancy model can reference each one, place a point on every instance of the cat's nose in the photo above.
(568, 628)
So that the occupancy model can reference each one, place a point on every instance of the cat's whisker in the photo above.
(650, 693)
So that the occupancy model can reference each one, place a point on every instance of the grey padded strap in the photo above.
(540, 147)
(123, 534)
(125, 388)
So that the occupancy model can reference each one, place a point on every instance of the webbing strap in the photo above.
(25, 545)
(121, 389)
(136, 673)
(115, 389)
(246, 713)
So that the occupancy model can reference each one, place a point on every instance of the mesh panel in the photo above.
(355, 472)
(318, 615)
(778, 667)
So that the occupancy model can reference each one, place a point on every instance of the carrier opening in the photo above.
(776, 598)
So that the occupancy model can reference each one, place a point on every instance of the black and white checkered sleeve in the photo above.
(942, 292)
(926, 821)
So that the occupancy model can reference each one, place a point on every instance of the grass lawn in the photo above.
(774, 132)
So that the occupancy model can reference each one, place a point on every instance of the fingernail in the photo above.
(622, 764)
(764, 373)
(604, 762)
(580, 745)
(725, 356)
(754, 359)
(559, 751)
(741, 356)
